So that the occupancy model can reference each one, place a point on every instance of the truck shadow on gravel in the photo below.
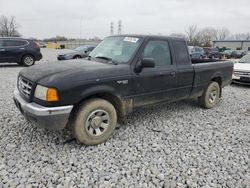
(148, 113)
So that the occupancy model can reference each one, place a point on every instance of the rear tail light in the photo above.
(36, 45)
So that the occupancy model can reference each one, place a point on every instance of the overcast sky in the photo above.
(48, 18)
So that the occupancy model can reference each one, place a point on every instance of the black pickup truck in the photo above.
(122, 73)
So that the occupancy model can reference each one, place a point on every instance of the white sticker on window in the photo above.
(131, 39)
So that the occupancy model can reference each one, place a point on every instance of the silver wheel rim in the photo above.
(97, 122)
(213, 96)
(28, 60)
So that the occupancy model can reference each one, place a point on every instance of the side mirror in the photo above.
(144, 63)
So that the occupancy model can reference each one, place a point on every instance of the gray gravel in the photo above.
(171, 145)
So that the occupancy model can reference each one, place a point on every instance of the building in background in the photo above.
(232, 44)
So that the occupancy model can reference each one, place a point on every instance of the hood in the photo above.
(50, 74)
(245, 67)
(69, 52)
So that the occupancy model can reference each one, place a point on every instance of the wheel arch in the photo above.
(106, 94)
(218, 79)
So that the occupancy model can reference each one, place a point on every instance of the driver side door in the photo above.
(154, 85)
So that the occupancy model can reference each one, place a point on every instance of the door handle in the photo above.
(1, 50)
(172, 73)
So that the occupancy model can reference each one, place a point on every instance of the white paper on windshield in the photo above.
(131, 39)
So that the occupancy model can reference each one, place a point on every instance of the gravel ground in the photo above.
(170, 145)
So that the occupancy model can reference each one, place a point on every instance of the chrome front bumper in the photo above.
(52, 118)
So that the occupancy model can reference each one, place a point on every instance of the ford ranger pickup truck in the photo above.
(121, 74)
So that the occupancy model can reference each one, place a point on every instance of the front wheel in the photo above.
(210, 96)
(94, 122)
(28, 60)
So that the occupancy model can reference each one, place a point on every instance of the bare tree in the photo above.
(191, 33)
(242, 36)
(8, 27)
(222, 34)
(206, 36)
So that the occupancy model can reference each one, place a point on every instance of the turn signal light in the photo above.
(52, 95)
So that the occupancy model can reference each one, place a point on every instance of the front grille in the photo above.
(25, 86)
(241, 73)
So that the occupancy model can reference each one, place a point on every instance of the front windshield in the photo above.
(245, 59)
(117, 48)
(81, 48)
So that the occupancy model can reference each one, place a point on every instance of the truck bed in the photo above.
(205, 71)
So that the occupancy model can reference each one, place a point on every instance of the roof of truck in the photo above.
(148, 36)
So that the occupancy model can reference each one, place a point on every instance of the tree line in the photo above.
(204, 36)
(193, 35)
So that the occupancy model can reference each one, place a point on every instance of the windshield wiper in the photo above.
(108, 59)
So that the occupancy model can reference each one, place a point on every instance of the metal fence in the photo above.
(70, 44)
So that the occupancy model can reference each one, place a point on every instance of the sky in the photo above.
(91, 18)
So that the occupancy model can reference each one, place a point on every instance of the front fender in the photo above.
(97, 90)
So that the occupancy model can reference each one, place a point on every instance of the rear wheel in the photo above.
(28, 60)
(94, 122)
(211, 96)
(77, 57)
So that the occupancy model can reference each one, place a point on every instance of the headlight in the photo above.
(46, 94)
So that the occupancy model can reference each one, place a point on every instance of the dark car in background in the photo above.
(196, 52)
(77, 53)
(238, 53)
(212, 53)
(18, 50)
(227, 53)
(42, 44)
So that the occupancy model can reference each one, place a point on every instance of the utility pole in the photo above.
(111, 28)
(119, 27)
(81, 27)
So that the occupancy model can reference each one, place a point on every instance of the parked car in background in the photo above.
(77, 53)
(18, 50)
(42, 44)
(227, 53)
(242, 70)
(196, 52)
(238, 53)
(212, 53)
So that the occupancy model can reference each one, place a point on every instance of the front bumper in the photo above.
(52, 118)
(245, 80)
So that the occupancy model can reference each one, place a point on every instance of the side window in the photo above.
(181, 52)
(14, 43)
(159, 51)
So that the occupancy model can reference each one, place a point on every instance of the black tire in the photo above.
(94, 122)
(28, 60)
(77, 57)
(210, 96)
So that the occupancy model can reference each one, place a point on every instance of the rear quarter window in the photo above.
(181, 52)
